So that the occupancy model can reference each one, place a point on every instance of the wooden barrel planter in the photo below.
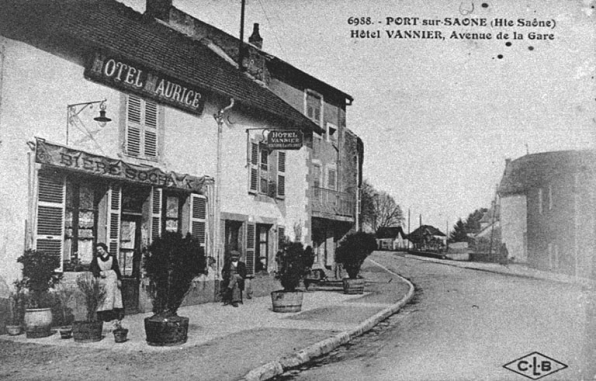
(38, 322)
(166, 331)
(287, 301)
(87, 331)
(353, 286)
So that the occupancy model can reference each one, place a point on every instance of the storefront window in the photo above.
(80, 223)
(172, 213)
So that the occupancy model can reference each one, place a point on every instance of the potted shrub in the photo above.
(16, 306)
(39, 276)
(171, 263)
(120, 333)
(89, 330)
(292, 267)
(351, 253)
(64, 295)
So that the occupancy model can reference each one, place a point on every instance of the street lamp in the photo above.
(73, 111)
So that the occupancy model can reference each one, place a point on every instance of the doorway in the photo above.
(129, 259)
(262, 248)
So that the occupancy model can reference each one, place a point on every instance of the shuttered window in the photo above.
(156, 212)
(314, 106)
(331, 178)
(262, 175)
(142, 124)
(250, 249)
(115, 207)
(50, 214)
(198, 217)
(281, 174)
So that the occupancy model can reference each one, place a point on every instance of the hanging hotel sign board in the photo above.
(125, 75)
(284, 139)
(83, 162)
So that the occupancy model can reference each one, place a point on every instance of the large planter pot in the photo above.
(353, 286)
(14, 330)
(166, 331)
(38, 322)
(287, 301)
(87, 331)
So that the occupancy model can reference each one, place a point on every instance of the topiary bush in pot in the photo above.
(93, 292)
(292, 266)
(171, 264)
(351, 253)
(38, 277)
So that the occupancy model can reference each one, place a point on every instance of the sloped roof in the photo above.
(87, 25)
(390, 232)
(531, 171)
(423, 230)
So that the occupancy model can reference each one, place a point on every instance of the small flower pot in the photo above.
(120, 335)
(65, 332)
(14, 330)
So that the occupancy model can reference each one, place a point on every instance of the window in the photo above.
(331, 132)
(281, 174)
(142, 123)
(67, 218)
(267, 171)
(332, 178)
(198, 217)
(540, 195)
(314, 106)
(316, 175)
(80, 221)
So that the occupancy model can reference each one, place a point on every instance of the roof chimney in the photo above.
(160, 9)
(255, 38)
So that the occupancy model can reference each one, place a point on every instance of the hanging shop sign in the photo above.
(67, 158)
(284, 139)
(128, 76)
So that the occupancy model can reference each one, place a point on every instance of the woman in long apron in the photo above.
(104, 267)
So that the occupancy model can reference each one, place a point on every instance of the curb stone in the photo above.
(277, 367)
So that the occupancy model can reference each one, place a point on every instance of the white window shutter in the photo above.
(253, 175)
(150, 138)
(134, 121)
(198, 216)
(281, 174)
(250, 249)
(156, 212)
(50, 215)
(114, 206)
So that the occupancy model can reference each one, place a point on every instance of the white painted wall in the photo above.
(36, 88)
(514, 226)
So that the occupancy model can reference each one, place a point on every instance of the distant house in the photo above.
(547, 211)
(427, 238)
(391, 238)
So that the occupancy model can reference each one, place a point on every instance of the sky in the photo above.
(438, 117)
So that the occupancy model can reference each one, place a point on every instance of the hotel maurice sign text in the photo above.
(128, 76)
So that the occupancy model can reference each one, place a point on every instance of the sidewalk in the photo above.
(261, 342)
(512, 270)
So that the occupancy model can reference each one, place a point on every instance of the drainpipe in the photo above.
(219, 117)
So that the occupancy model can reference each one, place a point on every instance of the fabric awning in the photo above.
(79, 161)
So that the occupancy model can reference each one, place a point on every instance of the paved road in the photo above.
(466, 324)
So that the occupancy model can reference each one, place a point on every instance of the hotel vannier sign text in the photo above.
(128, 76)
